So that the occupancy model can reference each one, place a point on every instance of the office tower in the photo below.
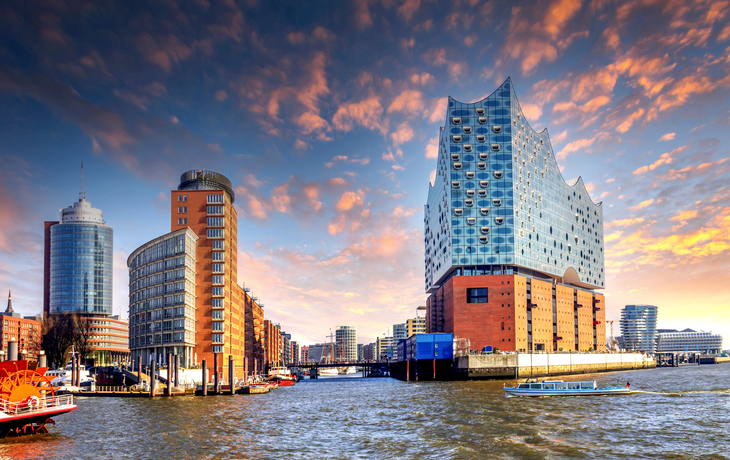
(346, 337)
(513, 252)
(688, 340)
(77, 277)
(415, 326)
(638, 327)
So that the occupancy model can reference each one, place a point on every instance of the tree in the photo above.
(57, 337)
(83, 332)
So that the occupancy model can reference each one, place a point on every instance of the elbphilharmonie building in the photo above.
(499, 206)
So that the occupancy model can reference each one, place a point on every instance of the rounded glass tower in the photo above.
(82, 247)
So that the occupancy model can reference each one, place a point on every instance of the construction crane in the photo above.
(612, 344)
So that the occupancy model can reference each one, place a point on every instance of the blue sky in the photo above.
(324, 116)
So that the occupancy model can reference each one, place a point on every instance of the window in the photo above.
(215, 210)
(217, 303)
(502, 325)
(185, 198)
(215, 221)
(217, 257)
(456, 139)
(214, 233)
(217, 268)
(179, 221)
(477, 295)
(218, 244)
(218, 327)
(179, 209)
(217, 279)
(217, 314)
(218, 349)
(217, 338)
(179, 198)
(215, 199)
(185, 220)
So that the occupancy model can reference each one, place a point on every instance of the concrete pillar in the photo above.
(205, 380)
(12, 350)
(177, 370)
(43, 359)
(215, 373)
(230, 374)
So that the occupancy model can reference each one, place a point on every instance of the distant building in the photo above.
(285, 348)
(360, 351)
(321, 353)
(272, 337)
(638, 328)
(400, 333)
(688, 340)
(294, 352)
(369, 352)
(415, 326)
(26, 332)
(77, 278)
(346, 337)
(513, 252)
(384, 349)
(304, 354)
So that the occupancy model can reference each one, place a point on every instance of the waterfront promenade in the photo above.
(351, 418)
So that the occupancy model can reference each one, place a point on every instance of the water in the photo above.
(352, 418)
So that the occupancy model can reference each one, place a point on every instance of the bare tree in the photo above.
(57, 337)
(83, 333)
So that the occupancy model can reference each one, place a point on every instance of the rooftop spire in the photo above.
(10, 303)
(82, 194)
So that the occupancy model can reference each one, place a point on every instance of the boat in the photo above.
(328, 371)
(63, 379)
(281, 376)
(560, 388)
(28, 400)
(346, 370)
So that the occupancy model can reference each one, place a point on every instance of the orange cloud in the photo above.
(668, 137)
(432, 148)
(367, 113)
(408, 101)
(403, 134)
(642, 205)
(348, 200)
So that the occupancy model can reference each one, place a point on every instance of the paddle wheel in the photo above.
(28, 399)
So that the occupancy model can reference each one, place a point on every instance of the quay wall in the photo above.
(528, 365)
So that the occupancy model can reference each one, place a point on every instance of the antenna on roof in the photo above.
(82, 194)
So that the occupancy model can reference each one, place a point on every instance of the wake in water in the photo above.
(682, 393)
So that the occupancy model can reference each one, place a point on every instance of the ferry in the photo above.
(560, 388)
(281, 376)
(328, 371)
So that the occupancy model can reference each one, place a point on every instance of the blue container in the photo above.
(429, 346)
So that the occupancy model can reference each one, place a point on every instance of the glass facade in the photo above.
(638, 328)
(688, 341)
(81, 268)
(499, 204)
(346, 337)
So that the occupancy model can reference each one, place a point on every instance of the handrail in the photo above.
(28, 407)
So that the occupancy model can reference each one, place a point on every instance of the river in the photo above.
(687, 415)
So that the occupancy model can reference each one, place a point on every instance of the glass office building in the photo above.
(638, 327)
(346, 337)
(687, 341)
(81, 255)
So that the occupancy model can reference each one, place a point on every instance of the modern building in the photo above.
(285, 348)
(162, 298)
(346, 337)
(294, 352)
(513, 252)
(25, 331)
(688, 340)
(322, 353)
(304, 354)
(360, 352)
(415, 326)
(384, 349)
(369, 352)
(77, 277)
(399, 334)
(638, 327)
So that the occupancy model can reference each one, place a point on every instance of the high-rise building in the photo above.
(272, 338)
(285, 348)
(384, 348)
(162, 306)
(255, 334)
(688, 340)
(294, 352)
(513, 252)
(346, 337)
(400, 333)
(360, 352)
(321, 353)
(369, 352)
(415, 326)
(77, 278)
(304, 354)
(638, 327)
(204, 238)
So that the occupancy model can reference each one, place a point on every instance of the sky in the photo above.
(325, 116)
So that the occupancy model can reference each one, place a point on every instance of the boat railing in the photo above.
(31, 405)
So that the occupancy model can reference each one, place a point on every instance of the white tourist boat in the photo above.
(62, 378)
(328, 371)
(560, 388)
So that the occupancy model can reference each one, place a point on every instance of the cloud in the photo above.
(366, 113)
(574, 147)
(300, 145)
(409, 101)
(348, 200)
(437, 110)
(297, 198)
(432, 148)
(667, 137)
(664, 159)
(422, 79)
(362, 16)
(220, 95)
(164, 51)
(408, 8)
(403, 134)
(643, 204)
(624, 222)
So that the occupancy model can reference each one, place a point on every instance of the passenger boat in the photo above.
(560, 388)
(281, 376)
(28, 400)
(328, 371)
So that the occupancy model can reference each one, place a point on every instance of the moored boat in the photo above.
(560, 388)
(281, 376)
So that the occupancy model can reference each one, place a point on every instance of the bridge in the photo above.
(369, 369)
